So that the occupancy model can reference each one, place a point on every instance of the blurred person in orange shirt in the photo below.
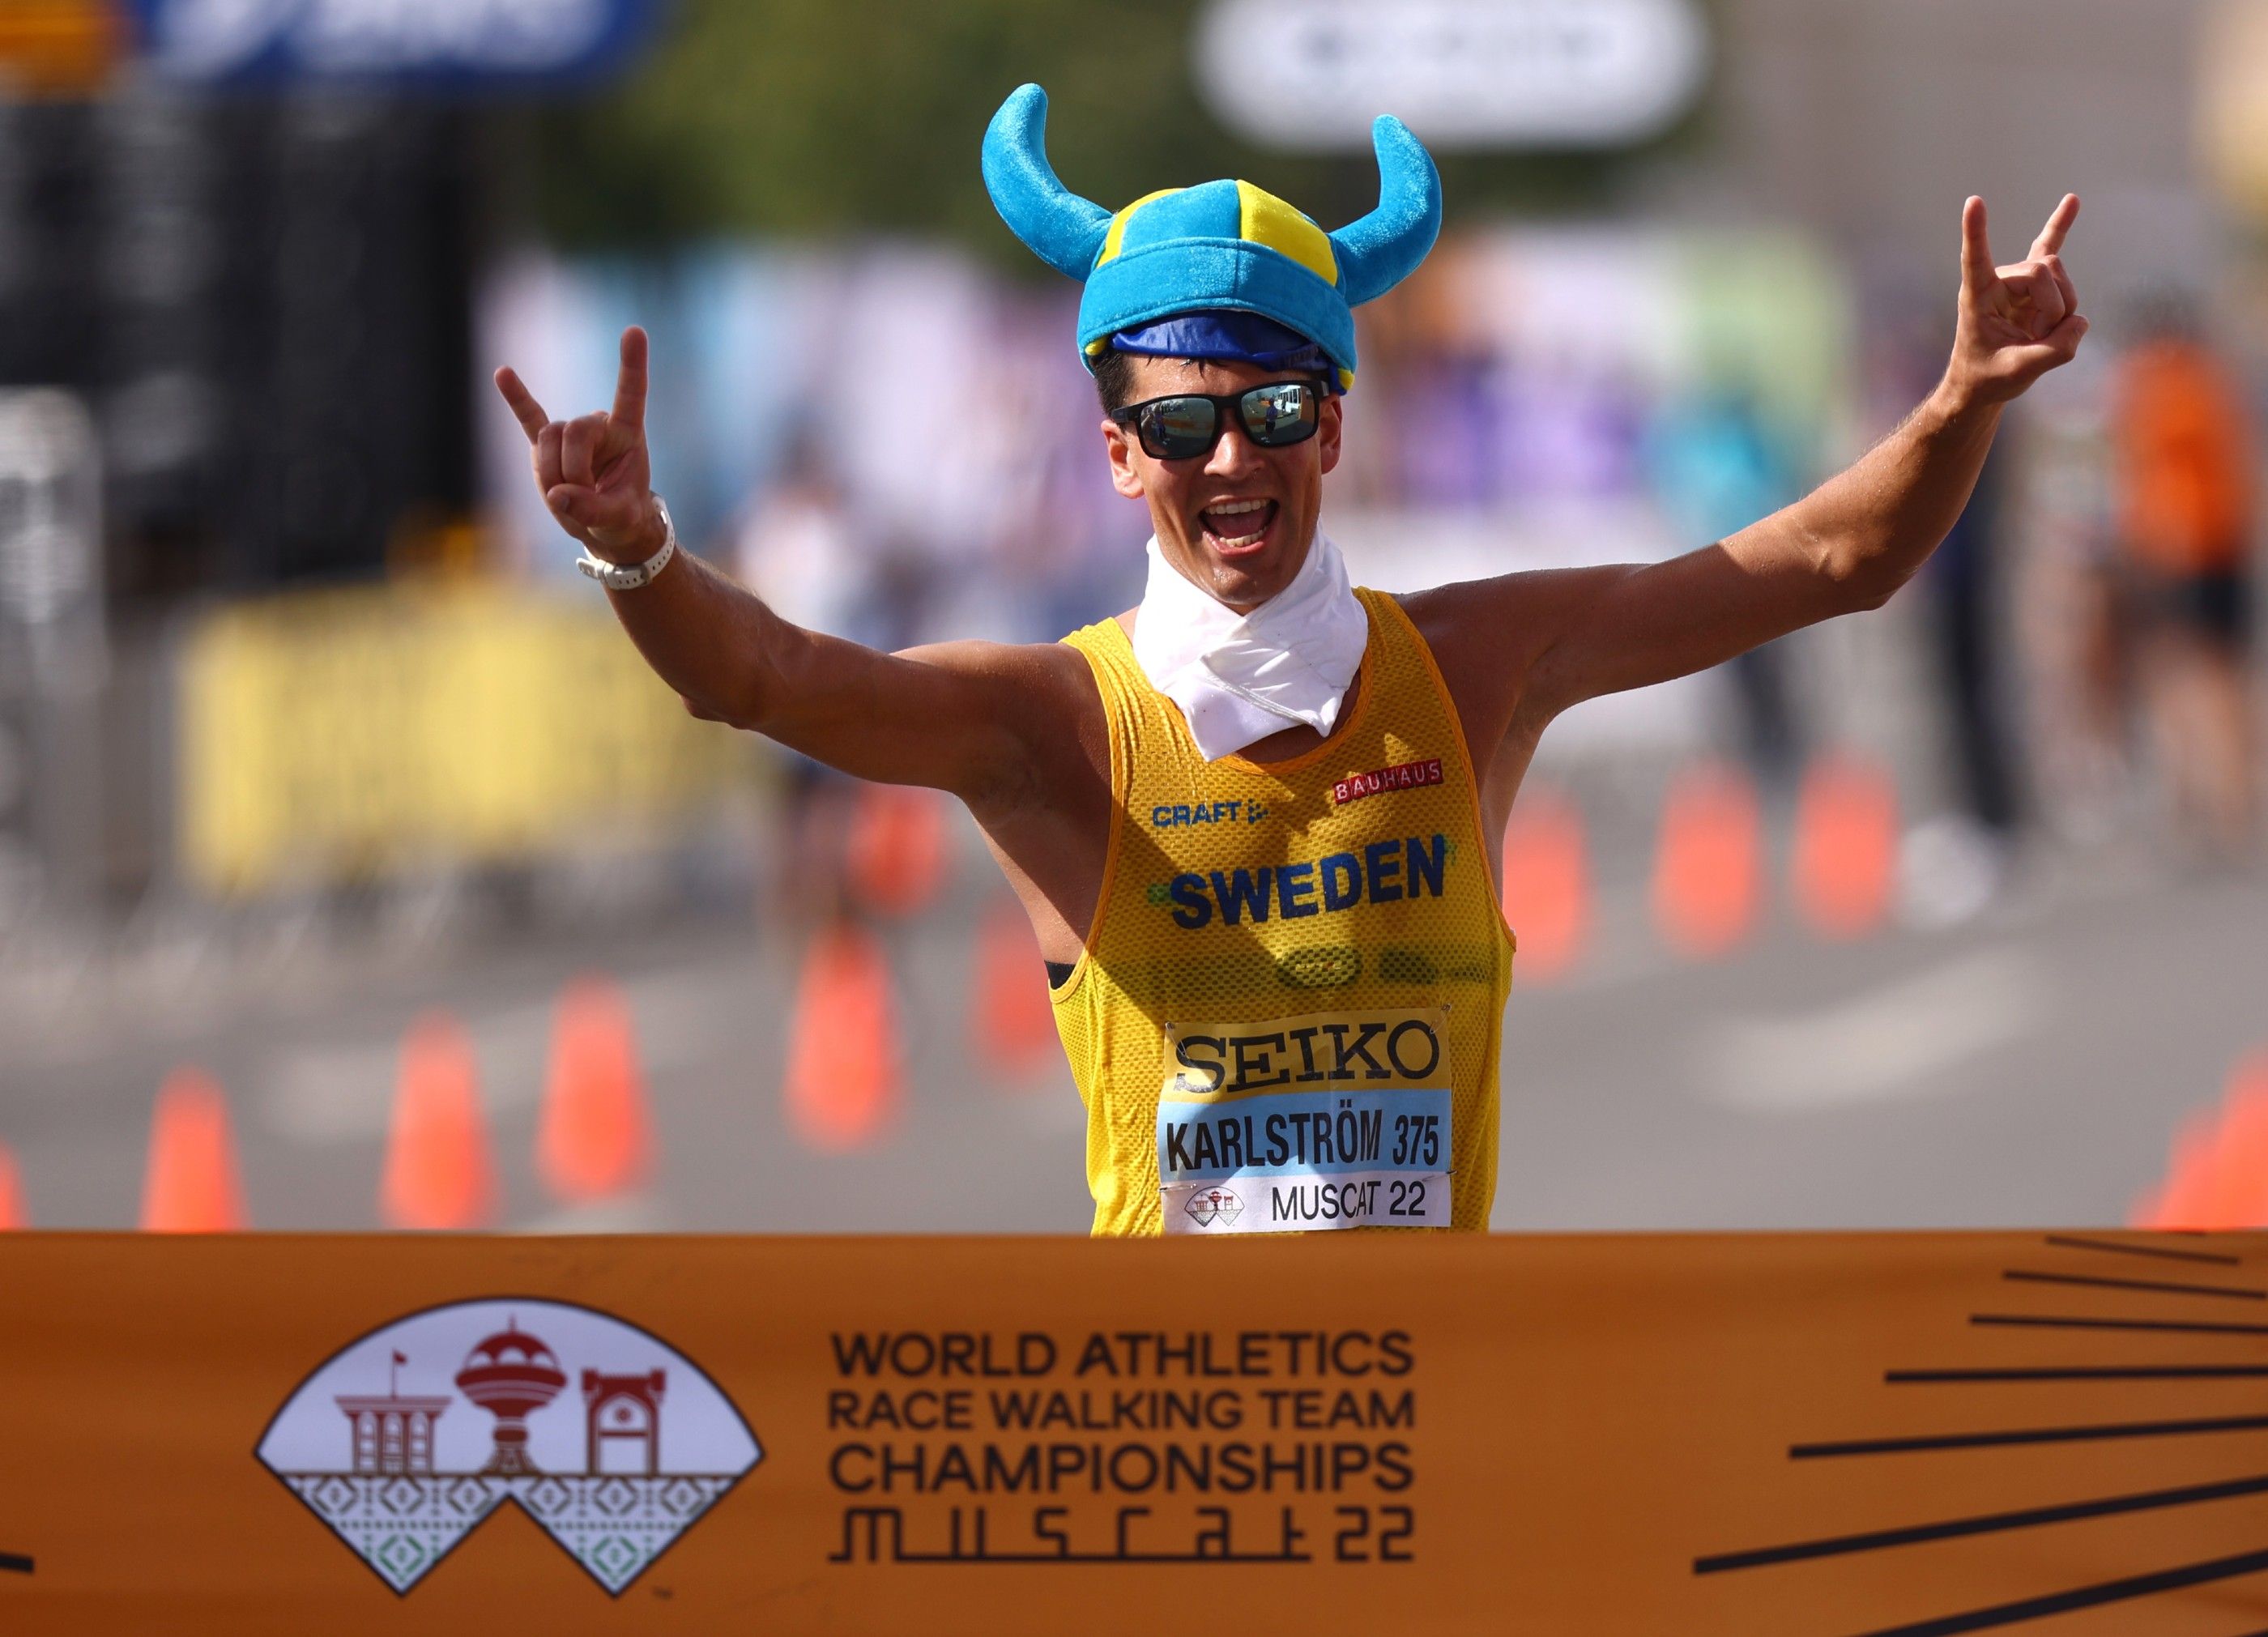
(2183, 504)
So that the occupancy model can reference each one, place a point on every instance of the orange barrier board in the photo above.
(1908, 1436)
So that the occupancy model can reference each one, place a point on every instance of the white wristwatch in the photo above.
(630, 576)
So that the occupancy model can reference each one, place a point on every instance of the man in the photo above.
(2184, 483)
(1255, 820)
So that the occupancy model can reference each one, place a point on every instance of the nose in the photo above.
(1235, 455)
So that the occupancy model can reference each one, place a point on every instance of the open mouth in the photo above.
(1234, 527)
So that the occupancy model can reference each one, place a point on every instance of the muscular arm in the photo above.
(1843, 547)
(1528, 645)
(953, 716)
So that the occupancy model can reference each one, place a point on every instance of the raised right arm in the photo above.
(983, 721)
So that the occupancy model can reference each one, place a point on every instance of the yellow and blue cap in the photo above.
(1221, 247)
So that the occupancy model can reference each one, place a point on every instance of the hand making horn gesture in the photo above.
(593, 470)
(2017, 322)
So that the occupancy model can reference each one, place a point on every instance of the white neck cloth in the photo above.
(1240, 677)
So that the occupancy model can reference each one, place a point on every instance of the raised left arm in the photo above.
(1846, 546)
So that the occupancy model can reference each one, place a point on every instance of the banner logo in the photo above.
(405, 1441)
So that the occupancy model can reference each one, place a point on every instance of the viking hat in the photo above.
(1221, 245)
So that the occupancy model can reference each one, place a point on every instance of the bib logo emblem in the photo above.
(405, 1441)
(1214, 1205)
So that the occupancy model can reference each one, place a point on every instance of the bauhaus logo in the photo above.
(404, 1441)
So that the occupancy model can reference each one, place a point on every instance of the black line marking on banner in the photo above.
(2072, 1241)
(2194, 1327)
(2082, 1598)
(2086, 1373)
(2030, 1435)
(1990, 1523)
(16, 1562)
(2232, 1292)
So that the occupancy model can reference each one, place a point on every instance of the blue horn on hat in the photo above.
(1062, 229)
(1383, 248)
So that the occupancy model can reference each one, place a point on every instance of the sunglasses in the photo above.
(1188, 424)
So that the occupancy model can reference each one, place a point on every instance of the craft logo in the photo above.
(1401, 776)
(405, 1441)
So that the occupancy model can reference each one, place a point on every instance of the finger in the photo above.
(577, 449)
(2030, 282)
(630, 383)
(2065, 336)
(525, 408)
(595, 510)
(570, 503)
(546, 455)
(2059, 221)
(2054, 265)
(1975, 249)
(2058, 347)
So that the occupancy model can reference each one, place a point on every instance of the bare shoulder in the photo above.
(1485, 636)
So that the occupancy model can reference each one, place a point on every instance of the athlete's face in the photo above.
(1240, 557)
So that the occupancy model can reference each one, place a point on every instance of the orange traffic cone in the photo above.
(1708, 867)
(1547, 882)
(1012, 1023)
(594, 1139)
(1847, 846)
(896, 854)
(438, 1169)
(2217, 1175)
(191, 1186)
(12, 1214)
(842, 1073)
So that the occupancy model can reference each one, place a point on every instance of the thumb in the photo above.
(583, 511)
(2059, 347)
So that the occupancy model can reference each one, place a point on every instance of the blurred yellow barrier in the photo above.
(349, 733)
(1826, 1435)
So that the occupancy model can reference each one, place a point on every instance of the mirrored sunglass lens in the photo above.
(1179, 426)
(1281, 413)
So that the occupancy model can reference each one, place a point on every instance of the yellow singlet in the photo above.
(1287, 1013)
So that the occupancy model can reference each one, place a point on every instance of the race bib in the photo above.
(1328, 1120)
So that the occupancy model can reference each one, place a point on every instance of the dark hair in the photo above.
(1114, 379)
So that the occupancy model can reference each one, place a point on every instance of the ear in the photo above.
(1125, 476)
(1328, 430)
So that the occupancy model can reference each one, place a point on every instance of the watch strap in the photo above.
(630, 576)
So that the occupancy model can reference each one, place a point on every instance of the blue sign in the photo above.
(465, 43)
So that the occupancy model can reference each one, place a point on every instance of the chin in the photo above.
(1243, 582)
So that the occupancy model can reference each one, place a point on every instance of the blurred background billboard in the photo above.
(335, 811)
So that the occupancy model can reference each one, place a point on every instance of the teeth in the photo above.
(1227, 506)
